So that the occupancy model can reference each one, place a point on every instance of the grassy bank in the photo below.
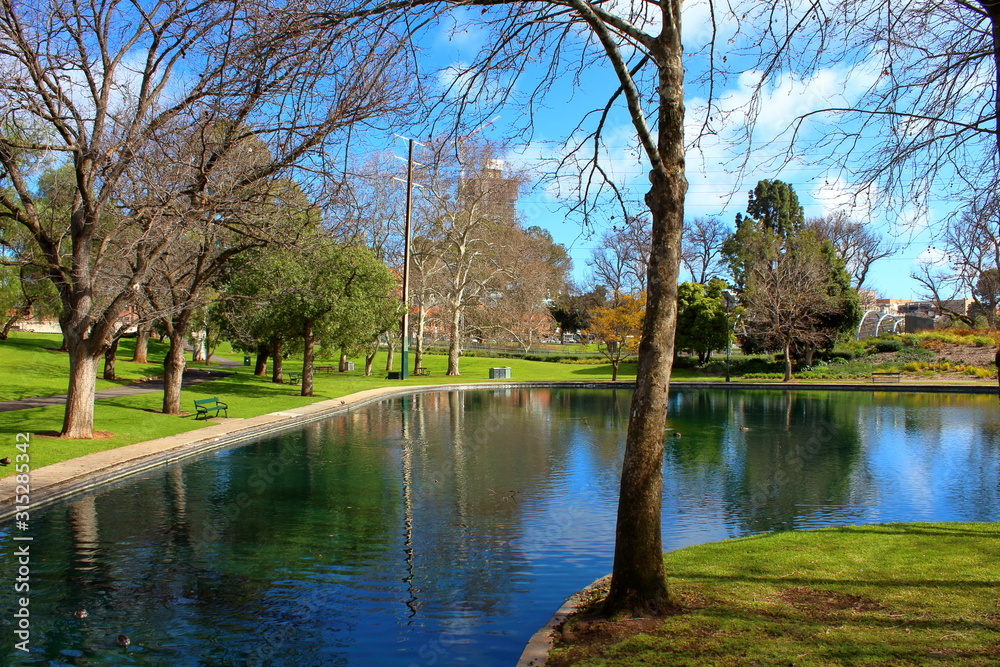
(33, 366)
(895, 594)
(30, 366)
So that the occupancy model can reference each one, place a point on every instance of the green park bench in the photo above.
(207, 405)
(885, 376)
(294, 377)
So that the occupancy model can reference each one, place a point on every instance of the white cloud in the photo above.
(833, 193)
(932, 256)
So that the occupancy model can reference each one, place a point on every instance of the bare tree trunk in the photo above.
(638, 578)
(173, 374)
(64, 346)
(260, 364)
(389, 354)
(614, 370)
(418, 352)
(141, 352)
(788, 362)
(342, 364)
(110, 356)
(173, 366)
(307, 359)
(369, 362)
(455, 345)
(277, 360)
(78, 421)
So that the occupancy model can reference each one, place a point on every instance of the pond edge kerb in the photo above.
(74, 476)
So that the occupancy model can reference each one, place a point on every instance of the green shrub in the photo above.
(885, 345)
(915, 354)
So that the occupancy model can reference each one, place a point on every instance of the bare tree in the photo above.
(106, 85)
(787, 300)
(621, 261)
(970, 257)
(469, 221)
(925, 127)
(857, 244)
(515, 305)
(641, 43)
(701, 248)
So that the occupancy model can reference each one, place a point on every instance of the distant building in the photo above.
(928, 309)
(495, 194)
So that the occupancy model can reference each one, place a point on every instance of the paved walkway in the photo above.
(191, 376)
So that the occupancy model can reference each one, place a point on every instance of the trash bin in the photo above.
(246, 359)
(501, 373)
(349, 366)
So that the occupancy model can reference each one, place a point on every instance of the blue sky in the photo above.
(720, 170)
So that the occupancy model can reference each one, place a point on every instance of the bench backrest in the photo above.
(205, 401)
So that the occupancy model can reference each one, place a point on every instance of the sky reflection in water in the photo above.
(446, 528)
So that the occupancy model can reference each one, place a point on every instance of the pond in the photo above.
(445, 528)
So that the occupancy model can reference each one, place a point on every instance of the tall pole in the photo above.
(405, 348)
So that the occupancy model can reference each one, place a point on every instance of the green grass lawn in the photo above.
(895, 594)
(31, 367)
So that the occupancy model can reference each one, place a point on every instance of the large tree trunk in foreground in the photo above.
(141, 352)
(173, 364)
(173, 375)
(78, 421)
(638, 580)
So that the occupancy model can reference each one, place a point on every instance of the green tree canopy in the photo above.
(702, 321)
(776, 207)
(341, 297)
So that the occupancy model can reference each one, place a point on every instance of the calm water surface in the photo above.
(444, 529)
